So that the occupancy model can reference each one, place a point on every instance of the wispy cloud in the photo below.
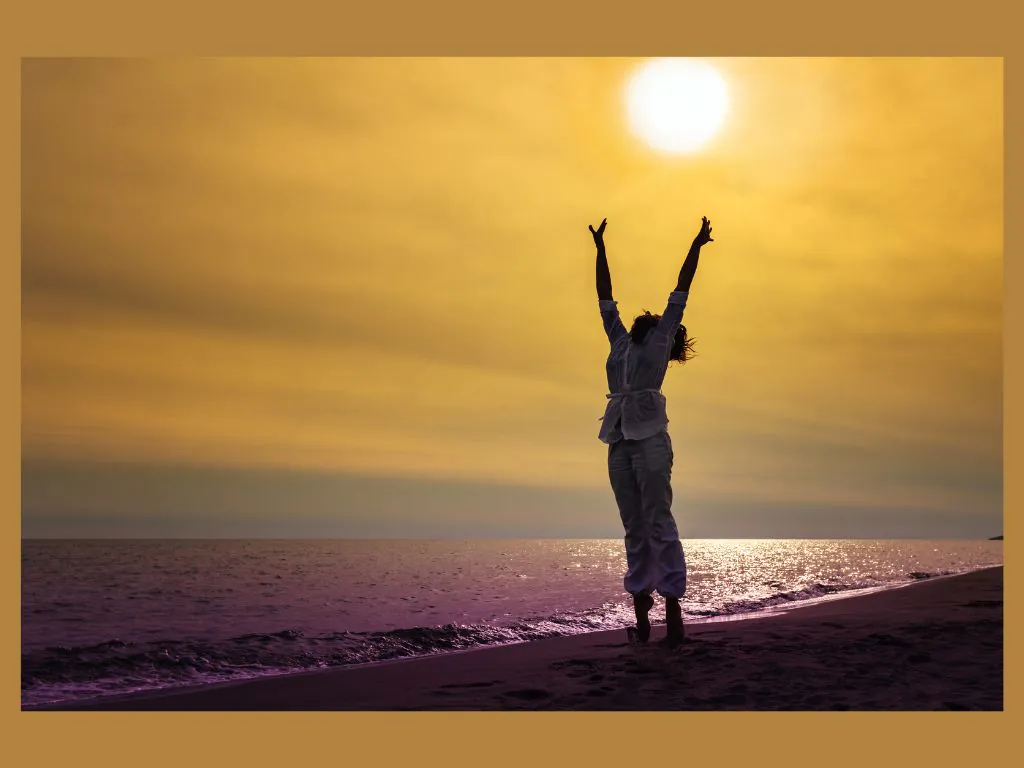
(381, 267)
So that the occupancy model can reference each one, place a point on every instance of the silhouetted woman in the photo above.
(635, 426)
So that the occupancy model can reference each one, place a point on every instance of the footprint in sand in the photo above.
(471, 685)
(575, 667)
(985, 604)
(530, 694)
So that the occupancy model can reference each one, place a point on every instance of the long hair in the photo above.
(682, 344)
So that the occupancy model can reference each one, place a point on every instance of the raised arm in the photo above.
(690, 265)
(613, 326)
(604, 276)
(665, 331)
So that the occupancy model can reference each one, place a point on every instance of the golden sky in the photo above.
(379, 271)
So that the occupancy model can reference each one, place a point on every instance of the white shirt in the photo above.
(636, 406)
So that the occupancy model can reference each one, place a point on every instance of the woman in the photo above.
(635, 427)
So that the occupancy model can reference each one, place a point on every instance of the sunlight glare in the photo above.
(676, 105)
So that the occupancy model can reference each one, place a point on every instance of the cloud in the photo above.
(381, 267)
(127, 499)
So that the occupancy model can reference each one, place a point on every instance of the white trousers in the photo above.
(641, 474)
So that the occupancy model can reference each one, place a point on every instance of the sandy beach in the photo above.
(932, 645)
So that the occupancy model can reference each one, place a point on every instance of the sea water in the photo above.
(101, 617)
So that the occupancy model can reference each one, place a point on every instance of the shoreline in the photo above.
(909, 629)
(762, 613)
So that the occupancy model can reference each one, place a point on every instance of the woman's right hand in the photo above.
(599, 232)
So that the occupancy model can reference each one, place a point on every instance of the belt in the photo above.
(614, 395)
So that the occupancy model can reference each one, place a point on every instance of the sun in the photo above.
(676, 105)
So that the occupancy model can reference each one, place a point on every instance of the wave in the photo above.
(63, 674)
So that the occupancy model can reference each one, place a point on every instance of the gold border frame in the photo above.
(106, 27)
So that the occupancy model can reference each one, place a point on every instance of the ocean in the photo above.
(103, 617)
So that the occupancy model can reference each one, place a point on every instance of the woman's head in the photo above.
(682, 344)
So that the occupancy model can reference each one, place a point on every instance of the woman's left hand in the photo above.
(704, 236)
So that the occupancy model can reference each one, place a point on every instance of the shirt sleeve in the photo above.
(612, 322)
(672, 316)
